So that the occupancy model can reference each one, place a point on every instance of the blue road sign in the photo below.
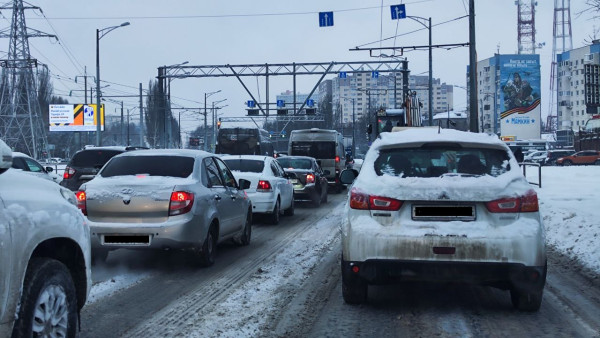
(398, 11)
(343, 75)
(325, 19)
(251, 104)
(375, 74)
(310, 102)
(280, 103)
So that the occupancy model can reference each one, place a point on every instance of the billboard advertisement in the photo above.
(74, 117)
(520, 96)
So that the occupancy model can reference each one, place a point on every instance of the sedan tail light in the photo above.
(525, 203)
(69, 172)
(263, 186)
(310, 178)
(181, 202)
(337, 159)
(81, 201)
(360, 200)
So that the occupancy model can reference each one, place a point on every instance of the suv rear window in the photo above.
(244, 165)
(93, 158)
(170, 166)
(295, 163)
(440, 160)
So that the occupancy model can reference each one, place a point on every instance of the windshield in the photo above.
(314, 149)
(439, 160)
(245, 165)
(295, 163)
(169, 166)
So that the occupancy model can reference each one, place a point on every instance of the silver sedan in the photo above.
(166, 199)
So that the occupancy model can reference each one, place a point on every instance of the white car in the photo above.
(413, 214)
(536, 156)
(45, 274)
(271, 190)
(32, 167)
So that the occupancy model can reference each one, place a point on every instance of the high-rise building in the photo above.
(508, 95)
(578, 77)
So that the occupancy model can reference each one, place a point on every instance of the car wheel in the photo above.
(354, 290)
(316, 199)
(274, 217)
(99, 256)
(526, 301)
(567, 163)
(290, 211)
(48, 303)
(209, 248)
(244, 237)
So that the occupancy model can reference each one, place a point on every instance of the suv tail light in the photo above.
(360, 200)
(81, 201)
(310, 178)
(525, 203)
(69, 172)
(263, 186)
(181, 202)
(337, 159)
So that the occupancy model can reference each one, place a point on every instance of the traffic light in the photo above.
(282, 111)
(310, 111)
(253, 112)
(219, 123)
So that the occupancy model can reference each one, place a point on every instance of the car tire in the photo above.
(290, 211)
(99, 256)
(48, 289)
(567, 163)
(354, 290)
(529, 301)
(316, 199)
(208, 253)
(244, 238)
(274, 217)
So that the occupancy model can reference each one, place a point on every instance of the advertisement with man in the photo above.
(74, 117)
(520, 96)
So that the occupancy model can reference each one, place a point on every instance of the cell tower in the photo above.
(562, 41)
(21, 124)
(526, 26)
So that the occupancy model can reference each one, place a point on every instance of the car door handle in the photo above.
(217, 197)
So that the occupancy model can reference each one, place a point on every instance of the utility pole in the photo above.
(141, 118)
(473, 125)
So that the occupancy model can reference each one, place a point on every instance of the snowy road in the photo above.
(287, 284)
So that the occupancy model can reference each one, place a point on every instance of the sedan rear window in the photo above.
(441, 160)
(245, 165)
(169, 166)
(295, 163)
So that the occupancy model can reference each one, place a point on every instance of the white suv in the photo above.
(442, 206)
(45, 274)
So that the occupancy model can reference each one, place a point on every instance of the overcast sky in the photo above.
(261, 31)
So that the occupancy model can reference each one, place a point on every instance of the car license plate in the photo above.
(443, 212)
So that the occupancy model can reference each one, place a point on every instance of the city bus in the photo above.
(244, 141)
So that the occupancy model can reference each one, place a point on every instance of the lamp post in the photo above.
(430, 97)
(100, 33)
(206, 96)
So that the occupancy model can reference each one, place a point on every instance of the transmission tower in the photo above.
(21, 123)
(562, 41)
(526, 26)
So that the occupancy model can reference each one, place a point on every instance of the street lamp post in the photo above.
(206, 96)
(99, 34)
(430, 97)
(353, 121)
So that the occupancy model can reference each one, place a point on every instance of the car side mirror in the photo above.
(5, 156)
(49, 169)
(244, 184)
(347, 176)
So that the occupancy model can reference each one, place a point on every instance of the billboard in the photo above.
(74, 117)
(520, 96)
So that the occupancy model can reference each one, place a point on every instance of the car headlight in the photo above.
(69, 196)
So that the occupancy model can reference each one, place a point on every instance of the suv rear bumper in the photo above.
(503, 275)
